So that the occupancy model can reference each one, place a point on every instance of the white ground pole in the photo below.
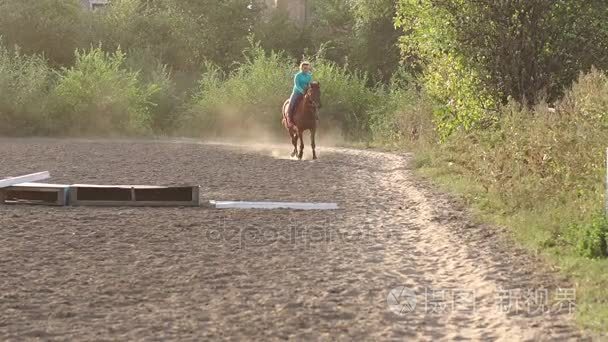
(273, 205)
(24, 179)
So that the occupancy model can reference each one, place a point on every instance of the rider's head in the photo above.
(305, 66)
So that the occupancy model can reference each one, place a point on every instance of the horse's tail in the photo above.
(285, 106)
(284, 112)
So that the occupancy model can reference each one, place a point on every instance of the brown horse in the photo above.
(304, 118)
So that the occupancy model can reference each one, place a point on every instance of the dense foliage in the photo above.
(476, 55)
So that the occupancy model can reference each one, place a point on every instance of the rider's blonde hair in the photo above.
(303, 64)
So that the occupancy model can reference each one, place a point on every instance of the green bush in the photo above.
(539, 156)
(166, 103)
(591, 238)
(98, 95)
(347, 101)
(253, 95)
(25, 83)
(461, 101)
(588, 99)
(233, 104)
(404, 116)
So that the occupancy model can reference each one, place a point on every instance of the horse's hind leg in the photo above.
(312, 143)
(294, 141)
(301, 136)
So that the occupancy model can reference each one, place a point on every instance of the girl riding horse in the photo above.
(301, 82)
(300, 111)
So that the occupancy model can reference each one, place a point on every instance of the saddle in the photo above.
(286, 107)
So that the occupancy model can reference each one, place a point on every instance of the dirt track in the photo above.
(195, 274)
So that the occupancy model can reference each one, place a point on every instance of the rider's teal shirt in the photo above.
(301, 81)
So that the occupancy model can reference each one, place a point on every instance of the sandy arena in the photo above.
(83, 273)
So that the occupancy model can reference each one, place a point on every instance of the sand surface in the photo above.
(79, 273)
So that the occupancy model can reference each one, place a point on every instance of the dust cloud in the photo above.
(261, 127)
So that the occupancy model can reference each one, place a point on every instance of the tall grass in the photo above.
(530, 160)
(25, 84)
(402, 118)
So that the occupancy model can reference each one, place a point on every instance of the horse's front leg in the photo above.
(294, 141)
(301, 136)
(312, 143)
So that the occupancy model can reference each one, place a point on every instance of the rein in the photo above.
(310, 100)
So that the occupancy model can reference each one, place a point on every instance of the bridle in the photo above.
(310, 98)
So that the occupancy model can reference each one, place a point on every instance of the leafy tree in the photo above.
(525, 49)
(475, 54)
(358, 33)
(52, 27)
(182, 33)
(278, 33)
(332, 27)
(375, 48)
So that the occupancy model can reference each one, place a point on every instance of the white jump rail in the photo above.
(273, 205)
(33, 177)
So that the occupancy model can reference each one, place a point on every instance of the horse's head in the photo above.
(313, 95)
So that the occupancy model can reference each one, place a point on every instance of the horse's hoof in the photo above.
(314, 157)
